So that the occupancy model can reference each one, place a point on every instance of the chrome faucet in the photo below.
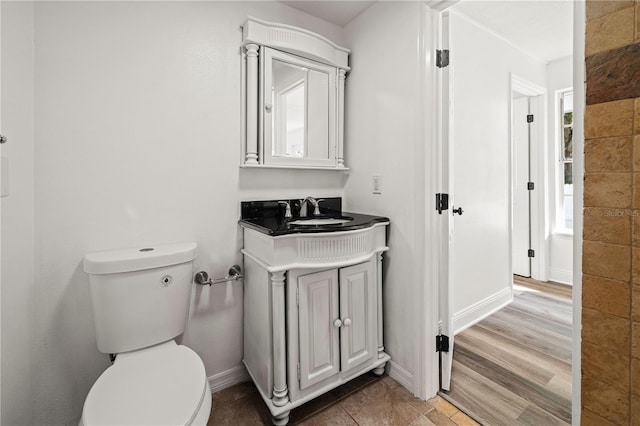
(310, 200)
(287, 211)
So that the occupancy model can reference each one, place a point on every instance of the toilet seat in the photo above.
(161, 385)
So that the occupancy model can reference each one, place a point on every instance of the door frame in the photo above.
(426, 369)
(425, 378)
(579, 100)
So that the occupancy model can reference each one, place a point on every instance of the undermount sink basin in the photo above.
(321, 221)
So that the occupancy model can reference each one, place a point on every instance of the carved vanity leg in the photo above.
(252, 104)
(281, 420)
(379, 370)
(280, 391)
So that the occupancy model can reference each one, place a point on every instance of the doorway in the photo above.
(436, 297)
(477, 173)
(482, 182)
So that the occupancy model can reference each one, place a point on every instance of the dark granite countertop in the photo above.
(267, 217)
(278, 226)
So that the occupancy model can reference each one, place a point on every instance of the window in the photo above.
(565, 172)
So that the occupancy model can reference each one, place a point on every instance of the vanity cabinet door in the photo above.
(318, 319)
(358, 333)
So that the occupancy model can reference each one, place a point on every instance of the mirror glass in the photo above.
(300, 116)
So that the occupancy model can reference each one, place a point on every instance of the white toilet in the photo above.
(140, 299)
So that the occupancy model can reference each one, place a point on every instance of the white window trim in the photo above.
(559, 228)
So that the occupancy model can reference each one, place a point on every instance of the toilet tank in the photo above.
(140, 296)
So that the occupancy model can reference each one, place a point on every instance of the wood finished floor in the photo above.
(514, 367)
(366, 400)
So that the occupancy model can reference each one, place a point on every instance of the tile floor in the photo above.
(366, 400)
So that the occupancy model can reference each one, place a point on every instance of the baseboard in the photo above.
(239, 374)
(479, 311)
(228, 378)
(401, 376)
(561, 276)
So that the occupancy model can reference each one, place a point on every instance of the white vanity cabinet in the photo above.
(312, 312)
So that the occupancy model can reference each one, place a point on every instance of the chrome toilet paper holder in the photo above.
(234, 274)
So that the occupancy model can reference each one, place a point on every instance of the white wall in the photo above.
(137, 142)
(559, 77)
(384, 110)
(18, 290)
(482, 64)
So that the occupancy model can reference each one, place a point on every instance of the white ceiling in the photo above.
(541, 28)
(338, 12)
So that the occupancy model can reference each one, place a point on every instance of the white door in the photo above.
(445, 290)
(358, 334)
(521, 195)
(476, 175)
(319, 322)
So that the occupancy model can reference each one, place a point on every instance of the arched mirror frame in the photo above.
(258, 34)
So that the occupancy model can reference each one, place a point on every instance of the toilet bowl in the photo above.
(162, 385)
(140, 299)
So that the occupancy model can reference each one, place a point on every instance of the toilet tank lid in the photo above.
(138, 258)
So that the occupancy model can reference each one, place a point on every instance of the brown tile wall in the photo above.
(611, 248)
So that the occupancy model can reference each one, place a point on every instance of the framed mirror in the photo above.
(294, 98)
(298, 113)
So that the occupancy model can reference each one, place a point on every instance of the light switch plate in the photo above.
(377, 184)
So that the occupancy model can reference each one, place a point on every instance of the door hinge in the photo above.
(529, 118)
(298, 372)
(442, 343)
(530, 186)
(531, 253)
(442, 58)
(442, 202)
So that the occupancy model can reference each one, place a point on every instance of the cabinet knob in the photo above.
(346, 322)
(337, 323)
